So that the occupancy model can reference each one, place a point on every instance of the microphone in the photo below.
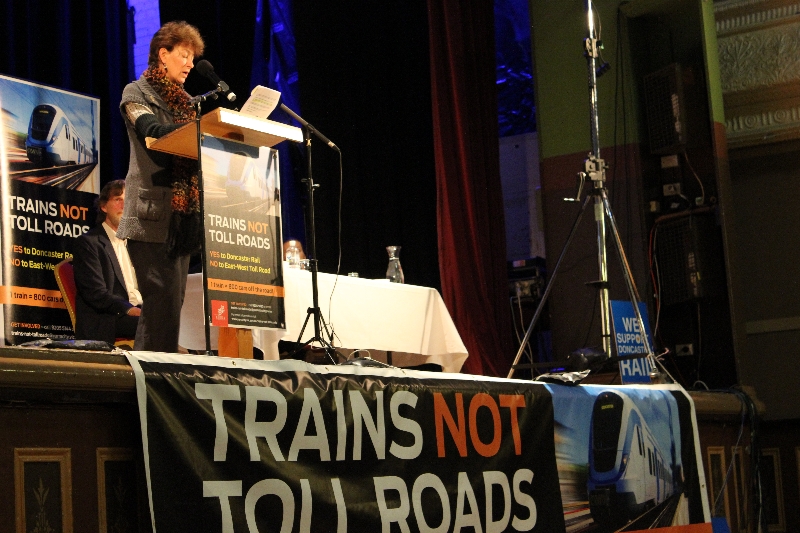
(207, 71)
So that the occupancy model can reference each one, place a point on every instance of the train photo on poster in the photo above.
(629, 472)
(247, 182)
(52, 136)
(626, 459)
(53, 140)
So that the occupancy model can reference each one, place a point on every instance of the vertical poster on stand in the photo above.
(243, 234)
(50, 170)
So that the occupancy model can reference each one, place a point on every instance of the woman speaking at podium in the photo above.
(161, 220)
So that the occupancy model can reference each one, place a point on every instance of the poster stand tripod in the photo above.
(314, 311)
(595, 171)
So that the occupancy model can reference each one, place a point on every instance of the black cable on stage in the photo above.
(339, 246)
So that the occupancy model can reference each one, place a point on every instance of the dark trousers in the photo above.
(125, 326)
(162, 283)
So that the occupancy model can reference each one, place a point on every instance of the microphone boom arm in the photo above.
(194, 100)
(308, 126)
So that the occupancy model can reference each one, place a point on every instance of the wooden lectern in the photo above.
(233, 126)
(225, 124)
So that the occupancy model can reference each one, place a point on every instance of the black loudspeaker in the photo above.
(666, 124)
(688, 250)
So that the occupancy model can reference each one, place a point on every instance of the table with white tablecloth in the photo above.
(409, 321)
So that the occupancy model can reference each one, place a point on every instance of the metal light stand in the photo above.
(595, 170)
(319, 321)
(196, 102)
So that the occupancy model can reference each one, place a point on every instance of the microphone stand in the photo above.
(595, 171)
(319, 321)
(196, 102)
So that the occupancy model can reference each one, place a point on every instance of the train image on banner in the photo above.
(246, 181)
(246, 177)
(53, 140)
(629, 470)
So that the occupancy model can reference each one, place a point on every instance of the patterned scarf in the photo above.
(185, 229)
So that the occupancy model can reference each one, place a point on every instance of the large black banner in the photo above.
(233, 445)
(277, 446)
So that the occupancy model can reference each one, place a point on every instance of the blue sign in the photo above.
(629, 341)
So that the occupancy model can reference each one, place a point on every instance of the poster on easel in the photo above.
(50, 170)
(243, 234)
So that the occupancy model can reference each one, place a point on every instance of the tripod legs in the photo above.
(319, 322)
(312, 252)
(549, 287)
(633, 293)
(602, 212)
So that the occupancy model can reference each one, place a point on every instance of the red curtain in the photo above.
(472, 255)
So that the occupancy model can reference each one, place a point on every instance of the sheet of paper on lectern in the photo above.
(261, 103)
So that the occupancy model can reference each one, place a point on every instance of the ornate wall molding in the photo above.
(758, 14)
(767, 123)
(759, 60)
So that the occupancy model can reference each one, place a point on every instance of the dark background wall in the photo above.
(365, 81)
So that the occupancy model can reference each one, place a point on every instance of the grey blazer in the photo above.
(148, 185)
